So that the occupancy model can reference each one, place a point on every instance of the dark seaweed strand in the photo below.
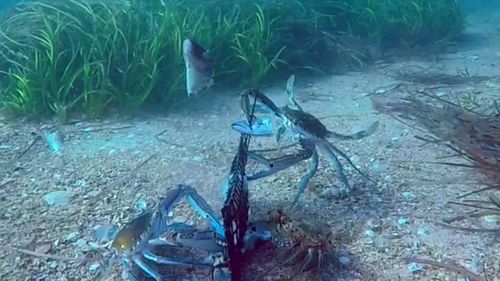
(235, 210)
(236, 205)
(258, 95)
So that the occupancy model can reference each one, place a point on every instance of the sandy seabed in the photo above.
(109, 166)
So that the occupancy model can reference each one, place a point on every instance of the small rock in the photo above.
(80, 183)
(53, 264)
(423, 232)
(43, 248)
(375, 167)
(140, 204)
(106, 232)
(71, 237)
(370, 233)
(491, 219)
(403, 221)
(345, 261)
(94, 267)
(57, 198)
(198, 158)
(415, 267)
(492, 85)
(472, 57)
(54, 142)
(409, 196)
(81, 244)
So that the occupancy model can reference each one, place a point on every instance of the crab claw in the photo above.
(259, 231)
(261, 127)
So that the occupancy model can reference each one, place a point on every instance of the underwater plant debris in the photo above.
(103, 130)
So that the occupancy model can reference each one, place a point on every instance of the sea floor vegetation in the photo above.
(70, 57)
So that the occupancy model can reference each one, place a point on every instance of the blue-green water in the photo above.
(66, 186)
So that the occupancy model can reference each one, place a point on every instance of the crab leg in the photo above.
(137, 259)
(280, 163)
(131, 275)
(184, 235)
(172, 261)
(337, 166)
(290, 94)
(260, 97)
(356, 136)
(304, 182)
(196, 202)
(349, 161)
(311, 257)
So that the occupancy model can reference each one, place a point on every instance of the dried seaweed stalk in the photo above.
(472, 135)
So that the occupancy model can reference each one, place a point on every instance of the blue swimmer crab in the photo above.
(140, 242)
(312, 135)
(307, 241)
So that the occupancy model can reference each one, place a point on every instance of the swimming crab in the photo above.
(306, 241)
(147, 239)
(312, 136)
(140, 241)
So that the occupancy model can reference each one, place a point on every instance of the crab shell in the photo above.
(304, 123)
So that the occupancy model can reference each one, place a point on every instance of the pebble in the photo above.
(415, 267)
(53, 141)
(198, 158)
(57, 198)
(345, 261)
(81, 244)
(53, 264)
(80, 183)
(375, 167)
(409, 196)
(94, 267)
(370, 233)
(491, 219)
(423, 232)
(43, 248)
(105, 232)
(141, 204)
(403, 221)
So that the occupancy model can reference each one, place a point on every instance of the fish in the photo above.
(200, 67)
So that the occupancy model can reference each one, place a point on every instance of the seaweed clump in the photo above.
(471, 135)
(67, 57)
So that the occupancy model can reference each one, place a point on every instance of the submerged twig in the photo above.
(478, 191)
(40, 255)
(473, 206)
(30, 146)
(471, 215)
(142, 163)
(450, 265)
(102, 129)
(470, 229)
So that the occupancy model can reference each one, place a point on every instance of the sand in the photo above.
(108, 166)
